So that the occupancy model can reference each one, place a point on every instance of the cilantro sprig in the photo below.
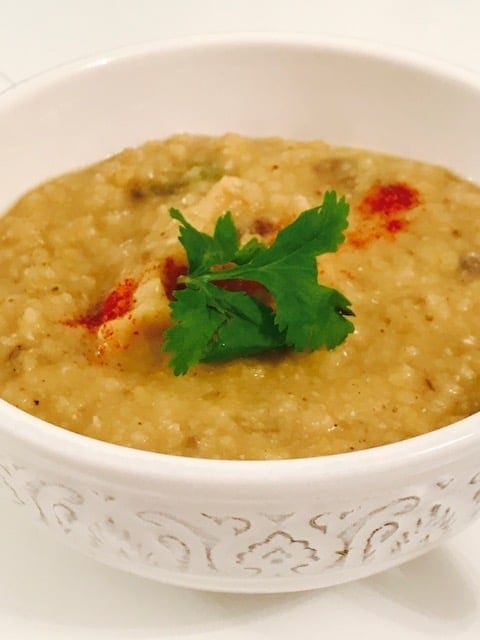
(212, 323)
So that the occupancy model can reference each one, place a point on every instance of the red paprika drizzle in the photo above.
(390, 199)
(117, 304)
(383, 212)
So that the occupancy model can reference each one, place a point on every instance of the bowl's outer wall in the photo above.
(326, 534)
(325, 521)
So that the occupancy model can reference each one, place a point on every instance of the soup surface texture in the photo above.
(88, 262)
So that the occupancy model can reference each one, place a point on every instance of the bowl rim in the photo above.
(88, 454)
(394, 54)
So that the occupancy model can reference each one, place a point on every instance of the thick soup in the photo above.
(89, 262)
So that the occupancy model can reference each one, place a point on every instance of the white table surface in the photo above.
(51, 592)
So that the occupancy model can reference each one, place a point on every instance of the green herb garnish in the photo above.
(212, 323)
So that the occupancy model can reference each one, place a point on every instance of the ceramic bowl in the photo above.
(222, 525)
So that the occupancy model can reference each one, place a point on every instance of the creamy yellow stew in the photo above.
(88, 263)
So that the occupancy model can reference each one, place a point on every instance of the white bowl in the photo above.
(222, 525)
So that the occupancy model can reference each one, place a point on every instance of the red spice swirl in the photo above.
(383, 212)
(117, 304)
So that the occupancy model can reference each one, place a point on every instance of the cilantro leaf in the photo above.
(288, 270)
(315, 231)
(249, 251)
(226, 237)
(212, 323)
(249, 327)
(204, 251)
(196, 322)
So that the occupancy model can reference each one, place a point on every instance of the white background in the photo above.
(50, 592)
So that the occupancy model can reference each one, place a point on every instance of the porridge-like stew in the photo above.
(89, 262)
